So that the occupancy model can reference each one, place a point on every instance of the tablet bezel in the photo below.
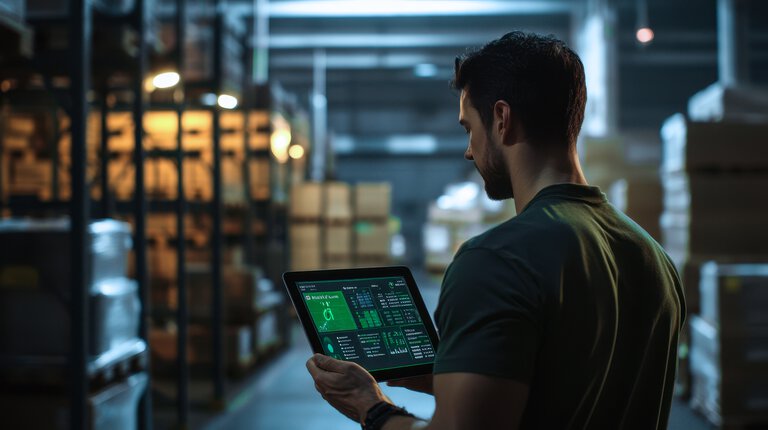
(290, 279)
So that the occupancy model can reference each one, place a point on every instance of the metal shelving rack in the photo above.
(82, 368)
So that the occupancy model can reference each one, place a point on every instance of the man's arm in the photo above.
(463, 400)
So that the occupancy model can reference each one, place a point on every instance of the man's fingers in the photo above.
(316, 372)
(329, 364)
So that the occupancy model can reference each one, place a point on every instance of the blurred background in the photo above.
(163, 162)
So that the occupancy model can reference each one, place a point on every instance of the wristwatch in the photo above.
(380, 413)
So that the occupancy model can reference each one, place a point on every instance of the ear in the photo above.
(503, 123)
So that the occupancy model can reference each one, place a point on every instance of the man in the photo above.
(564, 317)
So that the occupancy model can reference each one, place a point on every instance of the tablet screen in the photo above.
(373, 321)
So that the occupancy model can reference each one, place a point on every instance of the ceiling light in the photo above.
(166, 79)
(227, 102)
(296, 151)
(425, 70)
(644, 35)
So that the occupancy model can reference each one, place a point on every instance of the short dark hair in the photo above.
(539, 76)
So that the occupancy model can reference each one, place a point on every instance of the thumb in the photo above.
(329, 364)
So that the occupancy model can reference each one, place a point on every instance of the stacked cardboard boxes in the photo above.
(337, 226)
(640, 196)
(729, 360)
(328, 231)
(714, 175)
(305, 228)
(372, 208)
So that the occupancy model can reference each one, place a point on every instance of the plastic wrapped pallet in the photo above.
(114, 407)
(735, 296)
(114, 319)
(728, 385)
(722, 103)
(33, 251)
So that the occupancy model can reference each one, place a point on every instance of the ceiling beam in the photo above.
(413, 8)
(372, 40)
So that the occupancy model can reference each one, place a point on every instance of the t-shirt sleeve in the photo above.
(489, 317)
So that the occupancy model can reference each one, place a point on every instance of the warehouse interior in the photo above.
(164, 162)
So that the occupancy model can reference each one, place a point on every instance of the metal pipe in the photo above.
(182, 396)
(80, 71)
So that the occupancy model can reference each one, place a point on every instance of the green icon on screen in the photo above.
(330, 311)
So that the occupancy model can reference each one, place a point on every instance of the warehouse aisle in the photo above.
(283, 397)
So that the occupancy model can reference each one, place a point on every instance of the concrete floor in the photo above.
(282, 396)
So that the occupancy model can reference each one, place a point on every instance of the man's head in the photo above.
(540, 83)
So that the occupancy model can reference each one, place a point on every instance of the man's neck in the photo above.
(532, 172)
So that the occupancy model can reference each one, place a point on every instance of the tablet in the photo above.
(374, 317)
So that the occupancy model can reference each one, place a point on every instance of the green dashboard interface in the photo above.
(373, 322)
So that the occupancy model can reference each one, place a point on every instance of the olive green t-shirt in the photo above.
(574, 299)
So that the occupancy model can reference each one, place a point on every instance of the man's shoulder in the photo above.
(520, 234)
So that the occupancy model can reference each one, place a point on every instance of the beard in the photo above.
(496, 174)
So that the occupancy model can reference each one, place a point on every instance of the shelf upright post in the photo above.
(216, 302)
(182, 395)
(104, 154)
(56, 136)
(246, 109)
(139, 197)
(80, 27)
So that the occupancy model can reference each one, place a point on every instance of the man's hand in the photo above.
(345, 385)
(422, 384)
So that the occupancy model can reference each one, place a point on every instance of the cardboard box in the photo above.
(238, 346)
(338, 240)
(696, 146)
(371, 239)
(715, 194)
(338, 205)
(239, 291)
(705, 236)
(259, 176)
(372, 200)
(306, 246)
(307, 201)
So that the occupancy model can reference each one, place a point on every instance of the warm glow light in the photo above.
(281, 138)
(296, 152)
(644, 35)
(165, 80)
(227, 102)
